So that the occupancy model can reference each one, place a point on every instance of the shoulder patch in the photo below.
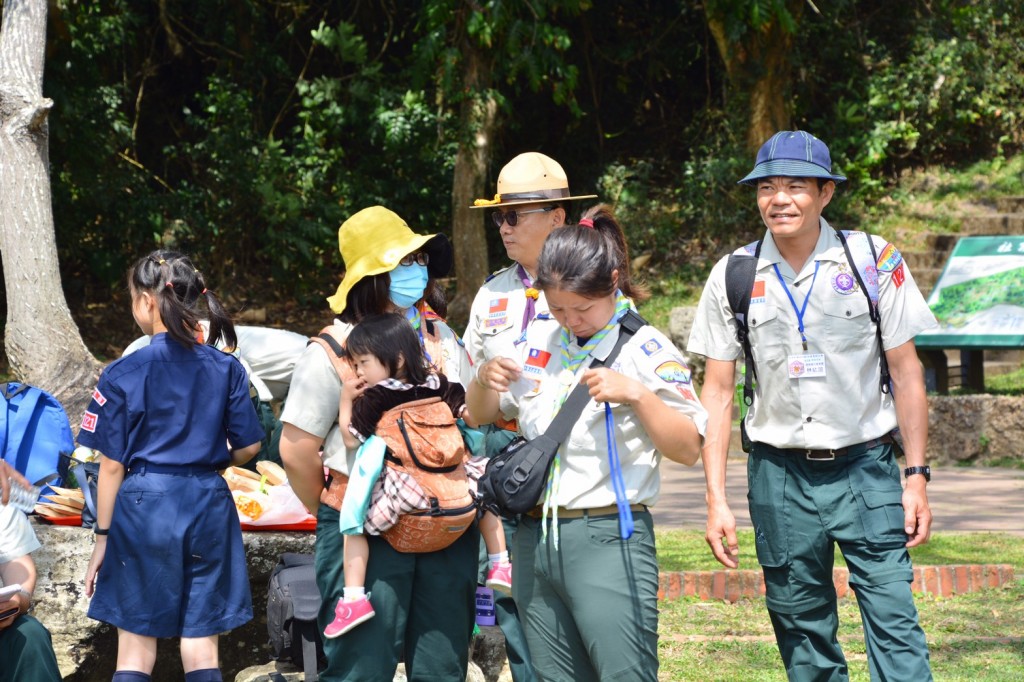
(496, 273)
(89, 420)
(674, 372)
(98, 397)
(889, 259)
(651, 346)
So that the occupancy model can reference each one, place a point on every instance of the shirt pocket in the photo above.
(768, 336)
(848, 322)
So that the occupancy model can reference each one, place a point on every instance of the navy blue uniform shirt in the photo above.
(166, 404)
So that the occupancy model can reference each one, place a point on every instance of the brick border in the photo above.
(731, 585)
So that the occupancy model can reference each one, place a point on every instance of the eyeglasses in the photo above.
(419, 258)
(513, 216)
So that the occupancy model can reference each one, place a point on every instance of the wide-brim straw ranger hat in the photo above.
(530, 178)
(375, 240)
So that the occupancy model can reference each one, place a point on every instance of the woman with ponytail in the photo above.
(584, 558)
(168, 559)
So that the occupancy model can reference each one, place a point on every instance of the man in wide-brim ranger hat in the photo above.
(532, 200)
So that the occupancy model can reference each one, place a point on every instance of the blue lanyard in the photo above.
(799, 311)
(621, 501)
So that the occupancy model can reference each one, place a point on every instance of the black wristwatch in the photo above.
(925, 471)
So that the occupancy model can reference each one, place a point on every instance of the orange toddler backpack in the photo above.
(423, 441)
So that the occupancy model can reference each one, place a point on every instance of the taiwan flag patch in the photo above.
(538, 358)
(89, 422)
(757, 292)
(498, 305)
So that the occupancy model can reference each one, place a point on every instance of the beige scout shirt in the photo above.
(534, 399)
(16, 535)
(845, 406)
(315, 393)
(496, 317)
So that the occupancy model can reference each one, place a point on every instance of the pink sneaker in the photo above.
(500, 578)
(347, 615)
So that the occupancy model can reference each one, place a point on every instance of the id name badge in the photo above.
(806, 365)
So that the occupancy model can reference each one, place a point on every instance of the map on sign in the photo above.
(979, 298)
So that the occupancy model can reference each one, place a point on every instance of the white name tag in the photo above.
(806, 365)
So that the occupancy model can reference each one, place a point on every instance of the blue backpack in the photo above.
(34, 433)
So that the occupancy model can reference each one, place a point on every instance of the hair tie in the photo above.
(587, 222)
(161, 261)
(203, 292)
(170, 285)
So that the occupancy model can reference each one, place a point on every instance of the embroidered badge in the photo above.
(99, 397)
(843, 283)
(757, 292)
(89, 422)
(651, 346)
(889, 259)
(673, 372)
(498, 305)
(898, 276)
(497, 313)
(538, 358)
(686, 392)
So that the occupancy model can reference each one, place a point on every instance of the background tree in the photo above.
(43, 344)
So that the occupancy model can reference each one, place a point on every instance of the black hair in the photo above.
(389, 337)
(580, 259)
(372, 296)
(177, 285)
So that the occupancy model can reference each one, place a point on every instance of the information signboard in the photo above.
(979, 298)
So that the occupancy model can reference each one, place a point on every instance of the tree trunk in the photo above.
(759, 71)
(43, 344)
(478, 121)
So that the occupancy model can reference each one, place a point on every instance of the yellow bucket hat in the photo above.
(374, 240)
(529, 178)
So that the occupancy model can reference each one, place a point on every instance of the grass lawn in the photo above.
(977, 637)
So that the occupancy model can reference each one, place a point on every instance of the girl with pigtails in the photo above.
(584, 558)
(168, 559)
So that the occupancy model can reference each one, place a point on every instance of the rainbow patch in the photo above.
(889, 259)
(673, 372)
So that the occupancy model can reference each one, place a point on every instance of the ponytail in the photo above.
(581, 258)
(178, 287)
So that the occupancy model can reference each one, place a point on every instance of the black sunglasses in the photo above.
(420, 258)
(512, 217)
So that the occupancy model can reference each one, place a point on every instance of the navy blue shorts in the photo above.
(175, 563)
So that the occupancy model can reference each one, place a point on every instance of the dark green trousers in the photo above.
(505, 610)
(26, 653)
(802, 509)
(425, 607)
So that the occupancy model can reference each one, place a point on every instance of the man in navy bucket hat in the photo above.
(836, 374)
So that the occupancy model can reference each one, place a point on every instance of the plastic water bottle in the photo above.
(484, 606)
(23, 498)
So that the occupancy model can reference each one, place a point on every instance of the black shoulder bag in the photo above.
(516, 476)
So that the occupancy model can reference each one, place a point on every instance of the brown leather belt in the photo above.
(334, 490)
(829, 455)
(563, 513)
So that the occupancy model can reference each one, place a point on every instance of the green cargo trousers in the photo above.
(801, 509)
(425, 608)
(26, 653)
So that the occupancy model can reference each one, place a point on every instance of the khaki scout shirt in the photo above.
(535, 398)
(845, 406)
(496, 317)
(315, 393)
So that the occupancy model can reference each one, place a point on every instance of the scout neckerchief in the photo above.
(801, 309)
(571, 363)
(531, 296)
(416, 318)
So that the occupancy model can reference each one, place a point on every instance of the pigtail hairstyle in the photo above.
(178, 285)
(581, 258)
(389, 337)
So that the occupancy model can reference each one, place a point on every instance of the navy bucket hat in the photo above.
(792, 154)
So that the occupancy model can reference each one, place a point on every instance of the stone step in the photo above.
(992, 224)
(926, 279)
(923, 260)
(942, 243)
(1010, 204)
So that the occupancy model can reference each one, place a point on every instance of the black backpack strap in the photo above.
(740, 271)
(305, 606)
(338, 349)
(885, 381)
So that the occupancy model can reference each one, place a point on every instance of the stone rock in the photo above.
(86, 649)
(679, 325)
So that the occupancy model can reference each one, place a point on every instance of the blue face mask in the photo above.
(408, 282)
